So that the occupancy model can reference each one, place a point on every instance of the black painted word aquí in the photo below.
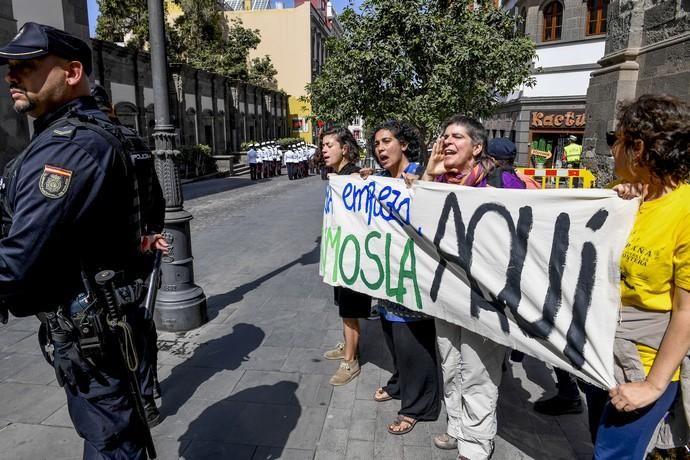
(511, 294)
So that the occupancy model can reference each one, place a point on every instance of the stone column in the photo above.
(615, 81)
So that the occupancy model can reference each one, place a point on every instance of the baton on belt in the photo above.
(124, 335)
(152, 290)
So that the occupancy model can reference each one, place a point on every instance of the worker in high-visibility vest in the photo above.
(573, 152)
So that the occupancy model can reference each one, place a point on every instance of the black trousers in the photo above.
(252, 171)
(415, 380)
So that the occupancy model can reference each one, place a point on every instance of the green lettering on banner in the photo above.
(408, 252)
(349, 280)
(390, 292)
(322, 259)
(334, 242)
(376, 260)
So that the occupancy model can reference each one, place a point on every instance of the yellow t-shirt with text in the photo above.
(656, 257)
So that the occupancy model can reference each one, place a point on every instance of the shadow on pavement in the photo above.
(216, 355)
(520, 431)
(212, 186)
(262, 416)
(540, 374)
(219, 301)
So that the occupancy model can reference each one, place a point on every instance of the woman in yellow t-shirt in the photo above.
(651, 147)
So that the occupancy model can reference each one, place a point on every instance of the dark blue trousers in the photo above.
(625, 435)
(103, 415)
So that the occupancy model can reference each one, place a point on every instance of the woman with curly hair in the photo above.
(410, 335)
(340, 152)
(651, 147)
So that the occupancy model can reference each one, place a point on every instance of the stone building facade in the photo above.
(570, 37)
(207, 108)
(647, 51)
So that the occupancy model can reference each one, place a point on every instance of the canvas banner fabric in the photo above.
(535, 270)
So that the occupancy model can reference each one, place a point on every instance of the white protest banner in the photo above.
(535, 270)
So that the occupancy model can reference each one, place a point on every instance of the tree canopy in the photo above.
(200, 37)
(421, 61)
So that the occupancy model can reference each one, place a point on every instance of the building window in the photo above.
(522, 21)
(553, 21)
(596, 17)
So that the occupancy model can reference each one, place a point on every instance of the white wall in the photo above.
(206, 103)
(190, 101)
(568, 83)
(123, 93)
(148, 96)
(559, 84)
(579, 53)
(47, 12)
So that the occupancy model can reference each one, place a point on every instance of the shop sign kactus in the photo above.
(568, 119)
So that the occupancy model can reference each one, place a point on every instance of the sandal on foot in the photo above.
(399, 420)
(381, 395)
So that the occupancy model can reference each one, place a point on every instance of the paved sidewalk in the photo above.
(252, 383)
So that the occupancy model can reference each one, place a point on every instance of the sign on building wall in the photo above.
(535, 270)
(300, 124)
(554, 119)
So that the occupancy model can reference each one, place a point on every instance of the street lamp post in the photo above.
(181, 304)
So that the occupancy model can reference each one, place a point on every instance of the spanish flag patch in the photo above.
(54, 181)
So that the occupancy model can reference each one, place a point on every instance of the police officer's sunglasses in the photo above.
(611, 138)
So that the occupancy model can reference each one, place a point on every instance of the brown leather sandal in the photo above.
(381, 395)
(399, 420)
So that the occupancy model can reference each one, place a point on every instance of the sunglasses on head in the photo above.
(611, 138)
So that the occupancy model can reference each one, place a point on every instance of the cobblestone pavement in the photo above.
(252, 383)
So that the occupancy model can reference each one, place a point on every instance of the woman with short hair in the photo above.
(471, 364)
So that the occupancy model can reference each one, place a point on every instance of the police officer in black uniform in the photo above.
(70, 215)
(152, 209)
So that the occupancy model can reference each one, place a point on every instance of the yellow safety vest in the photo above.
(573, 152)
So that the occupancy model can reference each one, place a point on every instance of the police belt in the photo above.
(90, 325)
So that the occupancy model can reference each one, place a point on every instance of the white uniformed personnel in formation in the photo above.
(259, 162)
(290, 161)
(251, 159)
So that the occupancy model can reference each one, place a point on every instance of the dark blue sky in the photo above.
(93, 10)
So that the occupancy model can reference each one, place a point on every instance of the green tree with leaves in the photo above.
(200, 37)
(123, 19)
(421, 61)
(262, 73)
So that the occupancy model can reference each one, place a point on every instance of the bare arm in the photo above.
(674, 346)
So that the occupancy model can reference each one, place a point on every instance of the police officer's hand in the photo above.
(155, 242)
(70, 368)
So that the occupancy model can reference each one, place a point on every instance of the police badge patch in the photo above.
(54, 182)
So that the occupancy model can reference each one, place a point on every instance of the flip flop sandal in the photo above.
(399, 420)
(378, 396)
